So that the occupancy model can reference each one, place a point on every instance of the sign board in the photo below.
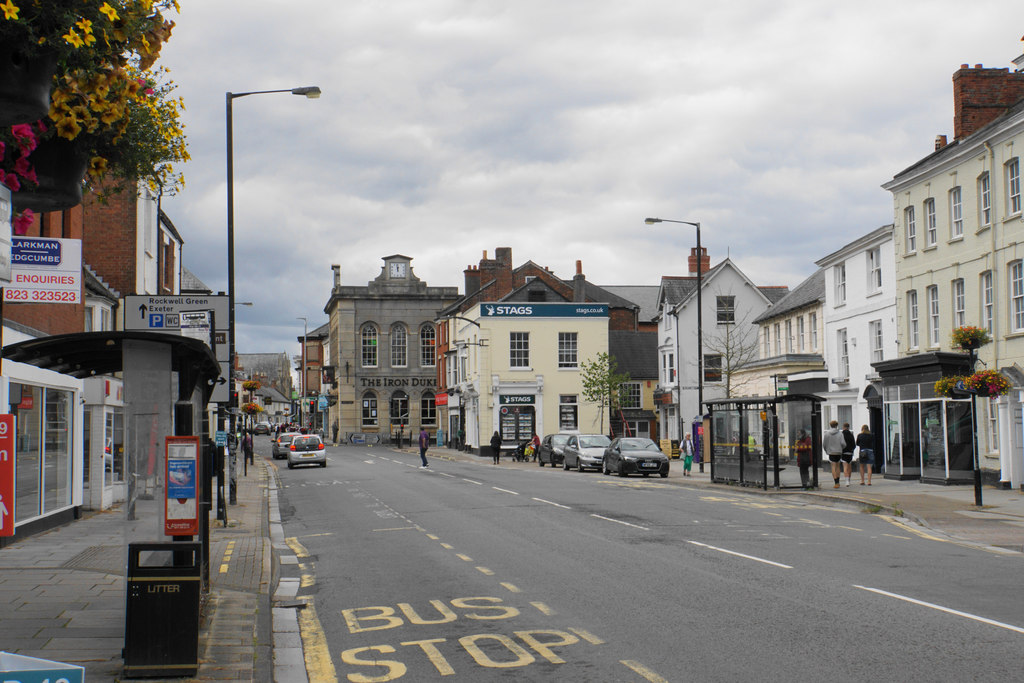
(518, 399)
(181, 509)
(7, 475)
(45, 270)
(538, 310)
(441, 399)
(321, 403)
(199, 316)
(220, 438)
(5, 234)
(24, 669)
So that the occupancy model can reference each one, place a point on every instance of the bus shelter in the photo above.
(762, 441)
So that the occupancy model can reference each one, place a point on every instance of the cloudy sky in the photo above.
(448, 128)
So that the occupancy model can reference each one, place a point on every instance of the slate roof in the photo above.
(644, 296)
(808, 292)
(191, 283)
(97, 285)
(273, 394)
(635, 352)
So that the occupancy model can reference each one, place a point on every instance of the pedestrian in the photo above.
(496, 446)
(849, 446)
(247, 448)
(535, 445)
(866, 444)
(334, 431)
(424, 442)
(461, 445)
(803, 457)
(832, 443)
(687, 451)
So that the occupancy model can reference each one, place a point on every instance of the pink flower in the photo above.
(23, 221)
(11, 181)
(24, 168)
(3, 150)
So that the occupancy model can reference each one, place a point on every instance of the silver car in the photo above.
(584, 451)
(307, 449)
(282, 443)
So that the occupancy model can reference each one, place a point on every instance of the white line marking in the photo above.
(947, 610)
(619, 521)
(478, 483)
(748, 557)
(557, 505)
(445, 474)
(504, 490)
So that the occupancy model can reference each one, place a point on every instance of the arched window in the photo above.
(399, 410)
(399, 346)
(428, 410)
(369, 409)
(428, 346)
(369, 345)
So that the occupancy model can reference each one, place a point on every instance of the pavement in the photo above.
(62, 592)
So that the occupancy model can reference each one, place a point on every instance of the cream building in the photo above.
(517, 368)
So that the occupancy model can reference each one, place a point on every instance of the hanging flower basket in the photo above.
(25, 82)
(989, 383)
(252, 408)
(970, 337)
(946, 385)
(60, 166)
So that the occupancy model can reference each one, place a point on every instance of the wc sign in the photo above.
(6, 475)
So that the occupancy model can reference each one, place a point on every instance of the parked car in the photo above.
(261, 428)
(584, 450)
(551, 446)
(307, 449)
(634, 455)
(281, 447)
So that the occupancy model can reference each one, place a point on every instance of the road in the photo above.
(472, 572)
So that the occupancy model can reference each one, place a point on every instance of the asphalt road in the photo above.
(474, 572)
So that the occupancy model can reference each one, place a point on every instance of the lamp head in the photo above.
(652, 221)
(310, 91)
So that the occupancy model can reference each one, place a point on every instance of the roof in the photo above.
(810, 291)
(320, 332)
(191, 283)
(592, 292)
(674, 289)
(272, 393)
(634, 352)
(95, 284)
(644, 296)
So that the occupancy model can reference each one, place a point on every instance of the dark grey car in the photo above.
(550, 450)
(634, 455)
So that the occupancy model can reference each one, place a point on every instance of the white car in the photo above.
(584, 450)
(307, 449)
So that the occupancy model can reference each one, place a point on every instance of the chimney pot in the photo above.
(979, 66)
(940, 142)
(579, 267)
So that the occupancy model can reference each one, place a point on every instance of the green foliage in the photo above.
(602, 382)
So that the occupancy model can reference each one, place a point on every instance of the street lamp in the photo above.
(700, 316)
(311, 92)
(302, 376)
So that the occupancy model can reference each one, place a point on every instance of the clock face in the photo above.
(397, 270)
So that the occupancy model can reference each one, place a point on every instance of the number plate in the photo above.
(649, 464)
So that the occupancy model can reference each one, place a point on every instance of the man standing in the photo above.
(833, 444)
(424, 442)
(849, 445)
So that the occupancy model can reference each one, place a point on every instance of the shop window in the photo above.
(369, 409)
(568, 412)
(428, 411)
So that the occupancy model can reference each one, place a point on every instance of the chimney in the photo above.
(337, 275)
(472, 276)
(982, 95)
(940, 142)
(705, 261)
(579, 284)
(503, 255)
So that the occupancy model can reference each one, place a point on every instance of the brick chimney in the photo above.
(472, 276)
(579, 284)
(982, 95)
(940, 142)
(705, 261)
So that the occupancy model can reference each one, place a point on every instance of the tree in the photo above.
(602, 382)
(727, 351)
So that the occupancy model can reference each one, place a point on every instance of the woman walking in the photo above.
(496, 447)
(866, 444)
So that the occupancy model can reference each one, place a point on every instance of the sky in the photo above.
(448, 128)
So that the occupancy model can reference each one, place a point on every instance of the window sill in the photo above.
(931, 247)
(983, 228)
(573, 369)
(958, 238)
(520, 369)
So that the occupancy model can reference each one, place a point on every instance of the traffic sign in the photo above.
(6, 475)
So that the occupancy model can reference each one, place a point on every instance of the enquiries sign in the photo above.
(45, 270)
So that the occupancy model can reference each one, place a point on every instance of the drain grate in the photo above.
(108, 559)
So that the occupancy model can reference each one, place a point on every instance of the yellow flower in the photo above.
(107, 10)
(97, 167)
(68, 128)
(10, 10)
(86, 26)
(73, 38)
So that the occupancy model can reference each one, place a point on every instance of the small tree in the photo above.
(736, 346)
(602, 382)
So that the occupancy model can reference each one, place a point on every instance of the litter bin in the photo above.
(162, 616)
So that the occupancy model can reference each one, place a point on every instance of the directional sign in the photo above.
(6, 475)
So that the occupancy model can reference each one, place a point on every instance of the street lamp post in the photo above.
(700, 318)
(302, 375)
(311, 92)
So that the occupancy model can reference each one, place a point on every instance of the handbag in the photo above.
(856, 456)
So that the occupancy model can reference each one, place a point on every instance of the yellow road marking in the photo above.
(464, 558)
(511, 588)
(432, 537)
(587, 636)
(447, 546)
(485, 570)
(227, 557)
(319, 665)
(642, 670)
(397, 528)
(297, 548)
(910, 529)
(543, 609)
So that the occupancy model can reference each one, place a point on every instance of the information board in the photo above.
(181, 509)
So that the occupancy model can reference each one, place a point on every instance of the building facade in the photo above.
(957, 227)
(383, 351)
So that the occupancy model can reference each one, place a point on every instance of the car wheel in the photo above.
(621, 471)
(324, 465)
(604, 469)
(291, 466)
(664, 474)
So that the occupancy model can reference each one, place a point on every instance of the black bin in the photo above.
(161, 636)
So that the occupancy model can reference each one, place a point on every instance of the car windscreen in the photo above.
(638, 445)
(559, 440)
(598, 441)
